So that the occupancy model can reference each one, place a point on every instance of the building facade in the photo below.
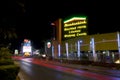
(98, 47)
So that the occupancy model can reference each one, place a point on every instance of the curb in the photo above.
(20, 76)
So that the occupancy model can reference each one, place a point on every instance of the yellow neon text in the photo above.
(79, 27)
(69, 35)
(81, 34)
(70, 28)
(75, 31)
(75, 23)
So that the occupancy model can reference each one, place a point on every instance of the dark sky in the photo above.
(33, 20)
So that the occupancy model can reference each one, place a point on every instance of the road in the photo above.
(35, 69)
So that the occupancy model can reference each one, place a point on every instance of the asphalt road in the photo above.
(35, 69)
(31, 71)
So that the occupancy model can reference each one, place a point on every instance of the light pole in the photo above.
(52, 51)
(92, 46)
(79, 44)
(67, 52)
(118, 39)
(59, 51)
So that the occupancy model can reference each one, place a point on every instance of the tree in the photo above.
(7, 35)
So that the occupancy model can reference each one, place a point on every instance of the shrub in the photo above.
(9, 72)
(5, 54)
(6, 62)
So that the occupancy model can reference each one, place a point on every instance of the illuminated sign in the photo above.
(27, 42)
(16, 51)
(75, 27)
(27, 49)
(27, 46)
(48, 44)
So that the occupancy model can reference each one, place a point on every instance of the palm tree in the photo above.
(7, 35)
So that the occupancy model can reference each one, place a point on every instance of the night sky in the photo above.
(32, 18)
